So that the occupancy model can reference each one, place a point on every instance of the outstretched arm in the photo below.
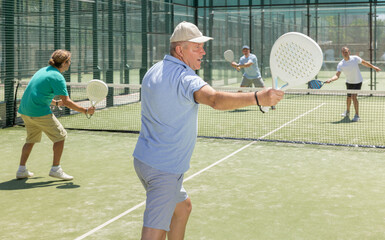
(235, 65)
(229, 101)
(66, 101)
(369, 65)
(334, 78)
(246, 65)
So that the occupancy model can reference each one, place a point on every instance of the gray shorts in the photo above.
(258, 82)
(164, 190)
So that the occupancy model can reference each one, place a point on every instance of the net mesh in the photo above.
(303, 116)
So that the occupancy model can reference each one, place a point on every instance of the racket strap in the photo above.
(256, 98)
(88, 115)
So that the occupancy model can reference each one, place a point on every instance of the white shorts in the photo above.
(164, 190)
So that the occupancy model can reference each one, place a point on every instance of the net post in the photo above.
(9, 29)
(95, 57)
(142, 72)
(67, 43)
(109, 79)
(127, 78)
(110, 70)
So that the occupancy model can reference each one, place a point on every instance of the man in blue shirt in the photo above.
(171, 93)
(248, 64)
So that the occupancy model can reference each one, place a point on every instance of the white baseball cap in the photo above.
(186, 31)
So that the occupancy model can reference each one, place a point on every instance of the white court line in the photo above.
(219, 161)
(295, 119)
(110, 221)
(194, 175)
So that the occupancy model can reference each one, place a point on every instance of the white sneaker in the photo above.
(23, 174)
(345, 114)
(60, 174)
(356, 118)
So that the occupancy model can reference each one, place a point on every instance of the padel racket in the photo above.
(96, 91)
(53, 107)
(315, 84)
(15, 103)
(229, 55)
(295, 59)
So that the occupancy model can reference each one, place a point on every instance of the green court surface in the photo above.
(246, 190)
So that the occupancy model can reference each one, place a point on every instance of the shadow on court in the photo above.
(240, 110)
(20, 184)
(344, 120)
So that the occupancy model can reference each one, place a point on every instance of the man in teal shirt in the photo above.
(37, 115)
(47, 83)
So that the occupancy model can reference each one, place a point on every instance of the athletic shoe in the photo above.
(356, 118)
(345, 114)
(23, 174)
(60, 174)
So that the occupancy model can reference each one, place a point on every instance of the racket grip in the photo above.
(265, 109)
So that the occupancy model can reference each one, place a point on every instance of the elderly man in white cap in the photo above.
(171, 93)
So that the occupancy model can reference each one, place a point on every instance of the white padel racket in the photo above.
(295, 59)
(229, 55)
(96, 91)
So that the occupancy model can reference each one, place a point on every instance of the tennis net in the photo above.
(303, 116)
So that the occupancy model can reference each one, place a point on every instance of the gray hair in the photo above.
(173, 46)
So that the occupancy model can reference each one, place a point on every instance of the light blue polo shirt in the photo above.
(252, 71)
(43, 87)
(169, 116)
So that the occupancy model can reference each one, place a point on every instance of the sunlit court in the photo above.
(310, 167)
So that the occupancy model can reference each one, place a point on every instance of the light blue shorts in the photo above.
(164, 190)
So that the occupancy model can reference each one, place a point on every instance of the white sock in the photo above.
(22, 168)
(55, 168)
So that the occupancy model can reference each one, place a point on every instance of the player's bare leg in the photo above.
(57, 152)
(26, 151)
(153, 234)
(179, 220)
(355, 103)
(22, 172)
(348, 103)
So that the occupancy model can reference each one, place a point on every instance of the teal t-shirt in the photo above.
(43, 87)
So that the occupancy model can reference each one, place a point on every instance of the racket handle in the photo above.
(53, 107)
(265, 109)
(88, 115)
(93, 106)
